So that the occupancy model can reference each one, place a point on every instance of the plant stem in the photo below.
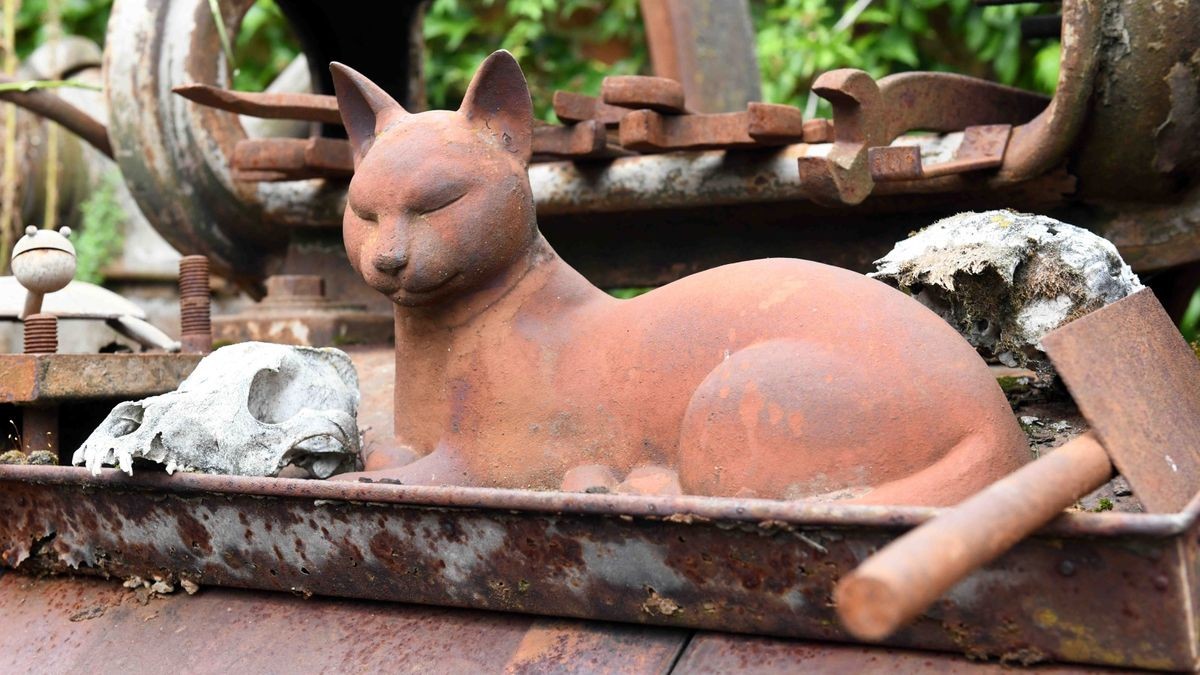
(8, 179)
(50, 217)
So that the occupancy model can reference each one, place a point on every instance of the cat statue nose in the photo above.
(390, 263)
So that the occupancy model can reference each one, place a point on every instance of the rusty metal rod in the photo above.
(59, 111)
(286, 106)
(899, 582)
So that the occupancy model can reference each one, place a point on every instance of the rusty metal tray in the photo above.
(1112, 589)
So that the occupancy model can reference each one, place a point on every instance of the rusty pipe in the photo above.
(899, 582)
(57, 110)
(1043, 142)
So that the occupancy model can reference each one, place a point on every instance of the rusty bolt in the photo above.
(195, 312)
(41, 334)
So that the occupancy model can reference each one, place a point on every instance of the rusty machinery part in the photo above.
(290, 159)
(1138, 140)
(175, 155)
(296, 311)
(761, 125)
(195, 305)
(869, 115)
(41, 334)
(1138, 79)
(573, 107)
(639, 92)
(709, 47)
(733, 565)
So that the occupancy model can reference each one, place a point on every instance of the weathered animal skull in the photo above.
(248, 409)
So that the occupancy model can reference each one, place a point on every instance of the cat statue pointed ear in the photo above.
(367, 110)
(498, 102)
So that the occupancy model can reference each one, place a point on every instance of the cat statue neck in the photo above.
(775, 378)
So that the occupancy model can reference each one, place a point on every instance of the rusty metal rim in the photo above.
(801, 514)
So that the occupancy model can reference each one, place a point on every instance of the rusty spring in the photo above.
(41, 334)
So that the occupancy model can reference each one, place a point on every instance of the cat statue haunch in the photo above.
(776, 378)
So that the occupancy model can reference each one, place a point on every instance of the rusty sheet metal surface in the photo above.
(94, 626)
(736, 565)
(47, 378)
(1148, 363)
(721, 653)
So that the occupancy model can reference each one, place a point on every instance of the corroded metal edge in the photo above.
(53, 378)
(1112, 589)
(799, 513)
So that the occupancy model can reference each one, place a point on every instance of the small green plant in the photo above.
(1103, 505)
(100, 236)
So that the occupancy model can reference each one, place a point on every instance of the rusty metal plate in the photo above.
(49, 378)
(94, 626)
(718, 653)
(749, 566)
(1126, 365)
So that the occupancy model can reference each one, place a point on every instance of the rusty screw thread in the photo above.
(195, 312)
(41, 334)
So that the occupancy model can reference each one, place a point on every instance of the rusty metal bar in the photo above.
(279, 159)
(572, 107)
(640, 92)
(45, 378)
(285, 106)
(55, 109)
(583, 139)
(762, 124)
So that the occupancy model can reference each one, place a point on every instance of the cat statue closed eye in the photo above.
(776, 378)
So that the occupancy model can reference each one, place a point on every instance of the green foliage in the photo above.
(88, 18)
(558, 44)
(800, 39)
(265, 45)
(99, 239)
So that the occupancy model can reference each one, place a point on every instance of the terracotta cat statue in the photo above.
(776, 378)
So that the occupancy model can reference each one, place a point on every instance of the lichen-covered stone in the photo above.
(248, 409)
(1005, 279)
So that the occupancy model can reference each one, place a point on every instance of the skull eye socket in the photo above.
(125, 420)
(278, 395)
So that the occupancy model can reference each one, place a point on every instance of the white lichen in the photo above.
(1005, 279)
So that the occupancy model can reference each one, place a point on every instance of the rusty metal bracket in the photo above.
(869, 115)
(842, 175)
(982, 147)
(640, 92)
(760, 125)
(283, 159)
(572, 107)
